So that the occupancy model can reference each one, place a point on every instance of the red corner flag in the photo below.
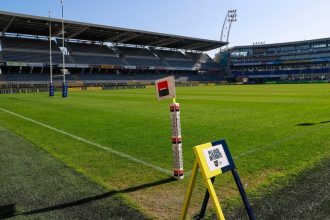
(165, 88)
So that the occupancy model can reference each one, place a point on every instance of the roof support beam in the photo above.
(60, 30)
(129, 38)
(78, 32)
(196, 46)
(116, 37)
(159, 41)
(8, 25)
(168, 42)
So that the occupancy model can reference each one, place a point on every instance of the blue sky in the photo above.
(270, 21)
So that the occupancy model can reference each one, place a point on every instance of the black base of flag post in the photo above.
(51, 89)
(241, 191)
(65, 90)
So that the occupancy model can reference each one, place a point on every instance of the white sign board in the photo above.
(215, 157)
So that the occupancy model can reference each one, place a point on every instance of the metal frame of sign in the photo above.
(208, 174)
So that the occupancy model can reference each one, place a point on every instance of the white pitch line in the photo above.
(118, 153)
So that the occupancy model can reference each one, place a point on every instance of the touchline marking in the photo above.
(118, 153)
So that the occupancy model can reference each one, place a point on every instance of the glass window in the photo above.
(304, 47)
(239, 53)
(319, 45)
(271, 50)
(288, 48)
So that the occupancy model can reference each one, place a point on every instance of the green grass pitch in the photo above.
(273, 131)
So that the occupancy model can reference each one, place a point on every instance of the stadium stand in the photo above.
(167, 54)
(309, 59)
(177, 59)
(36, 51)
(199, 57)
(83, 53)
(206, 62)
(97, 53)
(25, 50)
(25, 44)
(141, 57)
(89, 48)
(135, 52)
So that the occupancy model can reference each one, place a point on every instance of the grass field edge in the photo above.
(128, 201)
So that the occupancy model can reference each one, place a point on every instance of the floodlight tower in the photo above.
(231, 17)
(65, 84)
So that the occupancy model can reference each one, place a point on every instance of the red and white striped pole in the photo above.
(176, 140)
(165, 88)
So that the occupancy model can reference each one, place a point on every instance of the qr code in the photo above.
(214, 154)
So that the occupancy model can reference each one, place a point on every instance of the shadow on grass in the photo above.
(305, 124)
(8, 214)
(7, 211)
(309, 124)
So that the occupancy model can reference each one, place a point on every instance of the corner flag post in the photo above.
(166, 89)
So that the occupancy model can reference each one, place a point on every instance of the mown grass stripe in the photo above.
(280, 141)
(115, 152)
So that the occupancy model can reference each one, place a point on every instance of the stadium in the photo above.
(108, 149)
(104, 56)
(293, 61)
(98, 55)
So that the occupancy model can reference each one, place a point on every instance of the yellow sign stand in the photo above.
(202, 163)
(213, 159)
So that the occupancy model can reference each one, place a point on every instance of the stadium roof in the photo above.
(36, 25)
(282, 44)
